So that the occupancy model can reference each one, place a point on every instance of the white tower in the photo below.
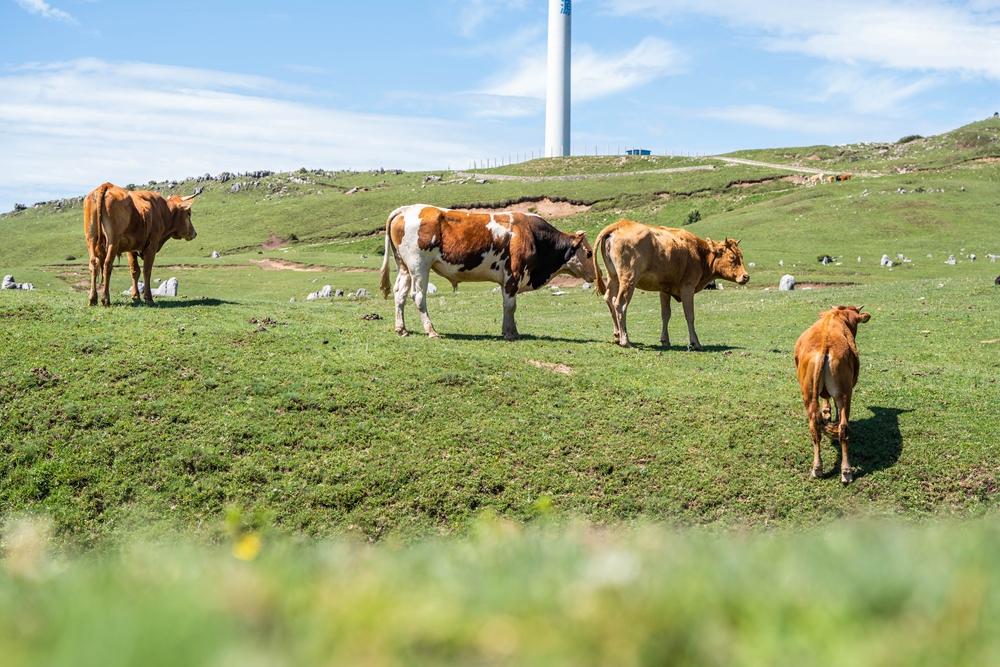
(557, 98)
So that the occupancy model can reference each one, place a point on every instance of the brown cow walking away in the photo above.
(116, 221)
(827, 361)
(673, 262)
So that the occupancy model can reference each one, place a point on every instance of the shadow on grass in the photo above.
(524, 337)
(876, 442)
(684, 348)
(180, 303)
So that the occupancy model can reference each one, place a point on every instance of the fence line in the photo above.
(535, 154)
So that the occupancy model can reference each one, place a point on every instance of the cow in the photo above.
(139, 222)
(826, 358)
(673, 262)
(843, 177)
(519, 251)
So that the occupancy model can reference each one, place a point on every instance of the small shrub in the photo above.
(908, 138)
(70, 258)
(693, 216)
(293, 237)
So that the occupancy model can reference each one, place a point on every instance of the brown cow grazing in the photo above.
(673, 262)
(519, 251)
(138, 222)
(827, 361)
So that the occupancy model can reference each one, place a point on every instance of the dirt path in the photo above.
(804, 170)
(579, 177)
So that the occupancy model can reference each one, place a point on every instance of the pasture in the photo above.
(140, 425)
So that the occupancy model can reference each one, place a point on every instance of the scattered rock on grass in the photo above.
(8, 283)
(787, 283)
(371, 316)
(431, 288)
(950, 261)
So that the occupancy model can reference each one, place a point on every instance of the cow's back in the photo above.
(662, 258)
(827, 351)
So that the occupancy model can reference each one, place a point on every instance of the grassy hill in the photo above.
(232, 413)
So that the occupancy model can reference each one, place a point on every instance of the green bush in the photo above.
(908, 138)
(693, 216)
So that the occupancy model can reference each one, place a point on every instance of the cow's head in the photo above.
(579, 258)
(181, 208)
(851, 316)
(728, 261)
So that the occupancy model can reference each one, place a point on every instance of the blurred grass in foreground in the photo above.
(854, 593)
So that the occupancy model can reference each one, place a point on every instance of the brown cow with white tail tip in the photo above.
(827, 360)
(673, 262)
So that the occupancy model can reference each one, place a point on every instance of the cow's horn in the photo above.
(188, 198)
(860, 308)
(738, 240)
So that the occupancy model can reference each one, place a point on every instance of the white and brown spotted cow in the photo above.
(519, 251)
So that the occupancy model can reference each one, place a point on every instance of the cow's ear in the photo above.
(185, 204)
(865, 317)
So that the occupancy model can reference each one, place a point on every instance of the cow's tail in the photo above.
(599, 251)
(385, 284)
(101, 245)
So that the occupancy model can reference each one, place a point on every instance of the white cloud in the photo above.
(874, 94)
(757, 115)
(474, 13)
(924, 36)
(68, 127)
(595, 75)
(46, 10)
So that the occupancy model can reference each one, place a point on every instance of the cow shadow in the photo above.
(524, 337)
(876, 442)
(180, 303)
(708, 349)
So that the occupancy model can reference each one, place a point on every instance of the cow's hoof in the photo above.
(435, 335)
(846, 477)
(817, 472)
(512, 337)
(403, 333)
(664, 343)
(625, 344)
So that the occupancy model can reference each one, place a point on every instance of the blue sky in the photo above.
(96, 90)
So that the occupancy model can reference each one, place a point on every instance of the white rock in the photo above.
(950, 260)
(215, 255)
(431, 288)
(312, 295)
(859, 260)
(167, 288)
(8, 283)
(339, 292)
(751, 265)
(787, 283)
(325, 293)
(292, 300)
(585, 286)
(497, 288)
(972, 258)
(886, 261)
(362, 292)
(781, 262)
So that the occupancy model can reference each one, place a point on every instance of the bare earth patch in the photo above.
(545, 208)
(564, 281)
(284, 265)
(274, 242)
(562, 369)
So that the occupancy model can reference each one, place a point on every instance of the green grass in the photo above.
(869, 595)
(133, 425)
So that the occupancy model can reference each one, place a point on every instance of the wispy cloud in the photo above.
(757, 115)
(872, 93)
(46, 10)
(930, 35)
(66, 127)
(595, 74)
(472, 14)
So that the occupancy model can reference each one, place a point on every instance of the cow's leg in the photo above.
(109, 262)
(625, 291)
(687, 299)
(147, 275)
(817, 427)
(827, 414)
(609, 298)
(419, 280)
(400, 291)
(509, 306)
(96, 264)
(133, 267)
(844, 435)
(665, 316)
